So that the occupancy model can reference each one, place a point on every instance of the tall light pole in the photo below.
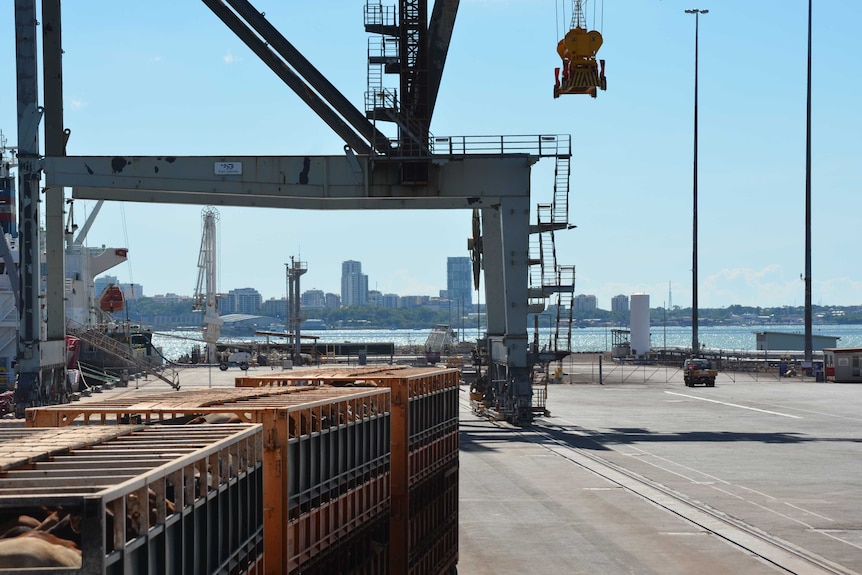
(695, 346)
(808, 336)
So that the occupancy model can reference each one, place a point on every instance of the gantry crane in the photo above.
(580, 72)
(411, 171)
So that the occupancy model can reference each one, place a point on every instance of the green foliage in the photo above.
(373, 316)
(146, 306)
(145, 309)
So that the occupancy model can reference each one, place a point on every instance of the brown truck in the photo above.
(696, 371)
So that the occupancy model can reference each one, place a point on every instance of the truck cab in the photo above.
(697, 371)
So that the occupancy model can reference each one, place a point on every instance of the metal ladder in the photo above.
(565, 300)
(381, 103)
(560, 212)
(547, 278)
(113, 347)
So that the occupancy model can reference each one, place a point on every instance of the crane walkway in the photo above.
(542, 145)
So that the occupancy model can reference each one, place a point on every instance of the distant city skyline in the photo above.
(315, 297)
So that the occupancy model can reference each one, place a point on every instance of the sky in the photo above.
(168, 78)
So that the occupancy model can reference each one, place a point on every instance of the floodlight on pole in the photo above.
(695, 346)
(809, 351)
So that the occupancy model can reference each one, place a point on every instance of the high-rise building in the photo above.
(132, 291)
(414, 301)
(274, 307)
(333, 301)
(243, 300)
(585, 303)
(354, 284)
(390, 300)
(374, 297)
(313, 298)
(171, 298)
(459, 281)
(620, 304)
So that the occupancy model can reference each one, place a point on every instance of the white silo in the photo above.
(639, 324)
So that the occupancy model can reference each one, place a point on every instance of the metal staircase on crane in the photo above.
(565, 301)
(547, 278)
(562, 169)
(394, 50)
(122, 352)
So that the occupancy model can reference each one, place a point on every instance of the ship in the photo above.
(101, 344)
(314, 324)
(111, 347)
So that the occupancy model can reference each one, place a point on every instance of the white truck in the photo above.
(239, 359)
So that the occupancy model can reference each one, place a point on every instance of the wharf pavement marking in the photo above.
(778, 552)
(772, 549)
(638, 452)
(735, 405)
(739, 534)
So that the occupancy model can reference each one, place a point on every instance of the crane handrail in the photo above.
(543, 145)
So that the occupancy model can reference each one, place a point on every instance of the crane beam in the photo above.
(298, 182)
(439, 36)
(413, 55)
(344, 130)
(498, 185)
(312, 75)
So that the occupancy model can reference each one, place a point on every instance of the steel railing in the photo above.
(543, 146)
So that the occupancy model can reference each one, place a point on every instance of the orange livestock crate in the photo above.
(326, 456)
(424, 446)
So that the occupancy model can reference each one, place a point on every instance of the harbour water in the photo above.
(592, 339)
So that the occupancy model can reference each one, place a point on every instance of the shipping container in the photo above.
(133, 499)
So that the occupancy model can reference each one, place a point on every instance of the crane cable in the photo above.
(559, 18)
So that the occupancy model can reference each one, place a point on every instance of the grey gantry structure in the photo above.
(489, 175)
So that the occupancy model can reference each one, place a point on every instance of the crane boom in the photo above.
(206, 290)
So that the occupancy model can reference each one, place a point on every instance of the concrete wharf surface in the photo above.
(647, 476)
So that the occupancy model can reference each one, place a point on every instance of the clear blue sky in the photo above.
(153, 78)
